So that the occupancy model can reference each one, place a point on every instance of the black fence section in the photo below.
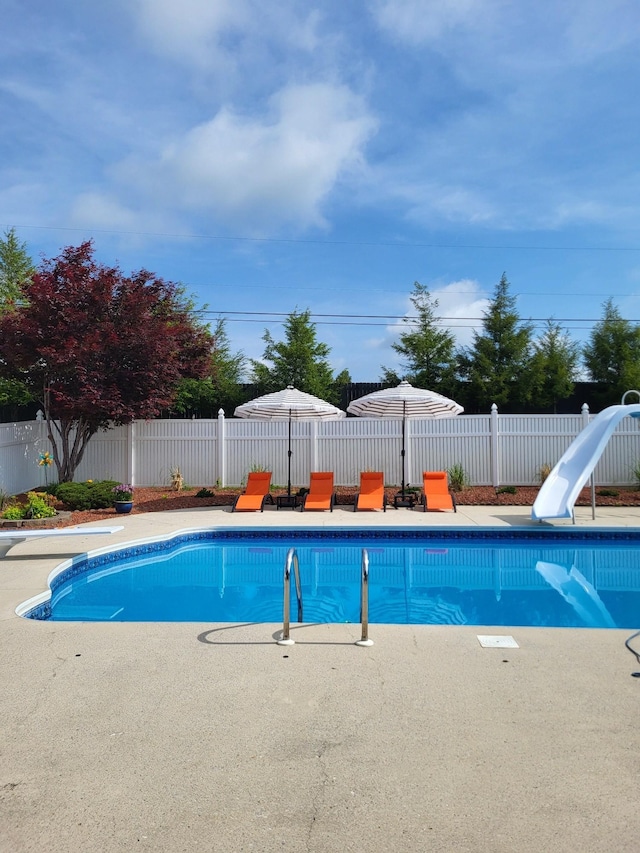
(594, 394)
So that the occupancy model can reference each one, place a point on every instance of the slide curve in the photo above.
(560, 490)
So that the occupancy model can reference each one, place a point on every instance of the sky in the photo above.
(274, 157)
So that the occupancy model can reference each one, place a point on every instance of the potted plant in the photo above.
(123, 497)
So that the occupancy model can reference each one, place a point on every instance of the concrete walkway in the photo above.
(200, 737)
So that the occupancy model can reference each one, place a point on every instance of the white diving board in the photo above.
(9, 538)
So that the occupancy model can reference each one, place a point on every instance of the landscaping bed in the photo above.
(158, 499)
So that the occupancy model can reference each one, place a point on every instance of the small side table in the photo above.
(288, 501)
(409, 500)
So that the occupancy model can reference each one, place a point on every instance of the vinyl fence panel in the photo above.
(437, 445)
(528, 442)
(492, 449)
(20, 446)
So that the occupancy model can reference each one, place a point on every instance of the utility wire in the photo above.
(383, 320)
(299, 241)
(395, 317)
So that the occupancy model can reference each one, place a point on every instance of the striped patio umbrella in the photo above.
(402, 402)
(289, 405)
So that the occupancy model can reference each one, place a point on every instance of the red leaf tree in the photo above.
(99, 348)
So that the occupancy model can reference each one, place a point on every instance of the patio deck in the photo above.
(200, 737)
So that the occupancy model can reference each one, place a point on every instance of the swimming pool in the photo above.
(471, 576)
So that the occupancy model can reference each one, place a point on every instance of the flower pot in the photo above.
(123, 506)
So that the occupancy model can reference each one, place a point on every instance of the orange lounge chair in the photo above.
(371, 494)
(436, 494)
(255, 494)
(320, 494)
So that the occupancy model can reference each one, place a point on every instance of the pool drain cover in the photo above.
(487, 641)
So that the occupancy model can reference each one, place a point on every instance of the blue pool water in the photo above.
(473, 577)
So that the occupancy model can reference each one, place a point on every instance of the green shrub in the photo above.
(37, 506)
(101, 493)
(13, 512)
(506, 490)
(93, 494)
(458, 478)
(204, 493)
(608, 493)
(74, 495)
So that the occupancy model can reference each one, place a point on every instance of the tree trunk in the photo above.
(69, 440)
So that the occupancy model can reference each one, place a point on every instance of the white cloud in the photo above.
(453, 204)
(461, 301)
(257, 173)
(416, 21)
(189, 29)
(461, 305)
(210, 34)
(102, 211)
(543, 34)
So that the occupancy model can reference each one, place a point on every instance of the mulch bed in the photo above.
(157, 499)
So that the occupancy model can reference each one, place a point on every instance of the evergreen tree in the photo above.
(554, 365)
(221, 388)
(16, 268)
(612, 355)
(300, 360)
(428, 350)
(498, 364)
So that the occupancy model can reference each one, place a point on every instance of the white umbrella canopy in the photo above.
(289, 405)
(402, 402)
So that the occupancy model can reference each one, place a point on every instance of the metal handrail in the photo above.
(364, 600)
(290, 563)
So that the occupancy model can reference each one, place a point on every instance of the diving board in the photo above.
(9, 538)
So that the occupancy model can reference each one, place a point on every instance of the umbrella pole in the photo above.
(289, 453)
(404, 421)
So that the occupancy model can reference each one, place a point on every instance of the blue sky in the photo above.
(274, 156)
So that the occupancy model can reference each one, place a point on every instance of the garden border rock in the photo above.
(63, 516)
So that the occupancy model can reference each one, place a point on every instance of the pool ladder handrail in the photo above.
(291, 563)
(364, 600)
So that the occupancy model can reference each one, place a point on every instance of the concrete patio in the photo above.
(203, 737)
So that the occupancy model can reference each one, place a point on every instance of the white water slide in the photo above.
(560, 490)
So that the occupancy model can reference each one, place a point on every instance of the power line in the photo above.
(396, 317)
(299, 241)
(370, 324)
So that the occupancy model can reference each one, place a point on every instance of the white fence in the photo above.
(493, 449)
